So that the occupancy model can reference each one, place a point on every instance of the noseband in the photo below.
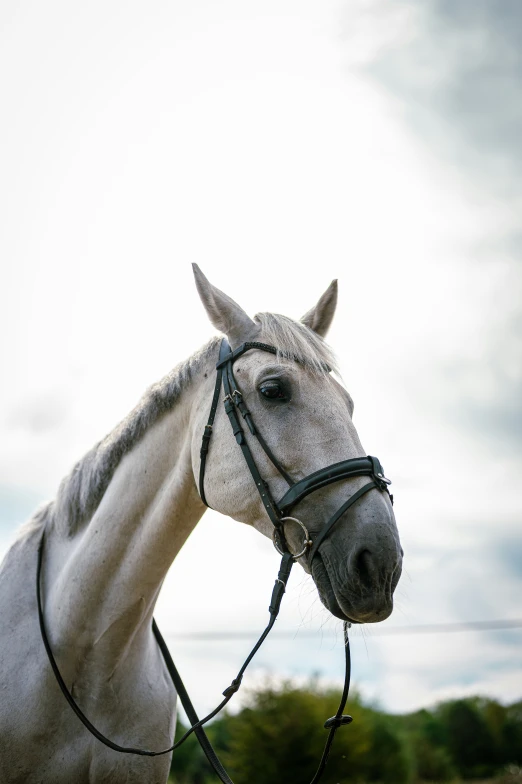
(279, 513)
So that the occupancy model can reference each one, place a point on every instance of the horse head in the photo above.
(300, 428)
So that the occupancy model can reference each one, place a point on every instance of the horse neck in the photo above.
(102, 583)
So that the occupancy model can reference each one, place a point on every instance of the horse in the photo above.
(124, 512)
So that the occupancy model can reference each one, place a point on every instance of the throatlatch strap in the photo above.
(207, 434)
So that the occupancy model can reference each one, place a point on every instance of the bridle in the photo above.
(278, 512)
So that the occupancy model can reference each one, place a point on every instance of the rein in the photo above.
(278, 512)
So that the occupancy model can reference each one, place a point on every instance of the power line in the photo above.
(375, 631)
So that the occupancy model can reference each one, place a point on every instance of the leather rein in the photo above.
(278, 512)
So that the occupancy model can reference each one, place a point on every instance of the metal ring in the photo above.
(307, 541)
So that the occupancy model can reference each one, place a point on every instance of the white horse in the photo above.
(123, 514)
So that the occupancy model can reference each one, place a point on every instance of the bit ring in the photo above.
(307, 541)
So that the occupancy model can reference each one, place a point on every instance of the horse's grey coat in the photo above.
(122, 515)
(81, 491)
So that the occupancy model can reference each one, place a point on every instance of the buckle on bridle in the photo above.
(381, 481)
(307, 541)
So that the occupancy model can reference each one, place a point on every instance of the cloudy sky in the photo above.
(285, 143)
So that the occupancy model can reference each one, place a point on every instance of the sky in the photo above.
(280, 145)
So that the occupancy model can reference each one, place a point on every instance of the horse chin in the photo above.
(326, 591)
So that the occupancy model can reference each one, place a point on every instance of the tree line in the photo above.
(278, 736)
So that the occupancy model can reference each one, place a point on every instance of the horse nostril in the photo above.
(368, 572)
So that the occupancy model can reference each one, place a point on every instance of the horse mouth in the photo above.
(326, 591)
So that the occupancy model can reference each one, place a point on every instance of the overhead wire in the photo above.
(376, 631)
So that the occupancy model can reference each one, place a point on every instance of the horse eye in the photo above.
(273, 390)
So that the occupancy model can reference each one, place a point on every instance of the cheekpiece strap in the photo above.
(231, 401)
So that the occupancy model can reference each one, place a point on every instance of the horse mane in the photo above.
(81, 491)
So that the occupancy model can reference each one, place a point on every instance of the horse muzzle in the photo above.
(358, 589)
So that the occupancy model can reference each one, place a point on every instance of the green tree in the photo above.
(280, 737)
(387, 760)
(426, 738)
(432, 762)
(512, 734)
(469, 739)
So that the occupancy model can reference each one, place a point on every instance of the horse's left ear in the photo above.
(320, 316)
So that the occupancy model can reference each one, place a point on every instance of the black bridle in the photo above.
(278, 512)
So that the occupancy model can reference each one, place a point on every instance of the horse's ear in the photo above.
(223, 312)
(320, 316)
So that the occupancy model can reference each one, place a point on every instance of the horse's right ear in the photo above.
(223, 312)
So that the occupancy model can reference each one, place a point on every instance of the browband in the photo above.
(242, 349)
